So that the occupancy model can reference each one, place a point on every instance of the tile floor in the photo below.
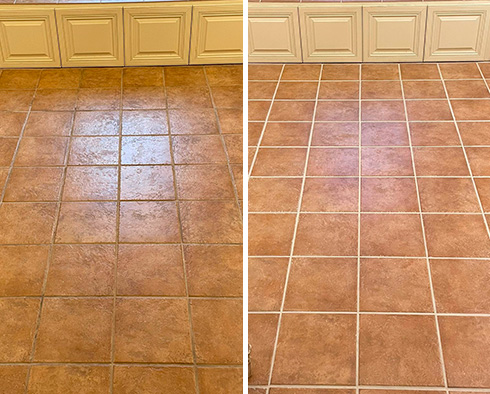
(368, 229)
(120, 230)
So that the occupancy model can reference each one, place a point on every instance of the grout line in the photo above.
(359, 209)
(300, 200)
(369, 257)
(367, 313)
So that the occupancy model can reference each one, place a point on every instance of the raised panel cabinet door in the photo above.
(273, 33)
(28, 37)
(394, 33)
(457, 33)
(91, 36)
(331, 34)
(157, 35)
(217, 34)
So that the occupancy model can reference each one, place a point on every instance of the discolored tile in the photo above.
(340, 72)
(337, 111)
(330, 195)
(214, 270)
(467, 89)
(82, 270)
(55, 100)
(391, 235)
(147, 183)
(319, 284)
(448, 195)
(394, 134)
(380, 72)
(471, 109)
(456, 236)
(60, 78)
(149, 122)
(210, 222)
(428, 110)
(329, 357)
(152, 330)
(149, 222)
(183, 121)
(459, 71)
(203, 182)
(94, 151)
(433, 134)
(424, 90)
(335, 134)
(296, 91)
(152, 380)
(339, 90)
(34, 184)
(19, 317)
(99, 99)
(461, 286)
(16, 100)
(87, 222)
(19, 79)
(466, 348)
(145, 150)
(386, 162)
(46, 124)
(395, 285)
(234, 147)
(188, 97)
(90, 183)
(266, 280)
(440, 162)
(333, 162)
(217, 325)
(22, 270)
(478, 158)
(96, 123)
(385, 110)
(270, 234)
(198, 149)
(399, 351)
(326, 235)
(41, 151)
(13, 378)
(75, 330)
(377, 90)
(290, 111)
(419, 71)
(230, 120)
(11, 123)
(280, 162)
(389, 195)
(144, 98)
(220, 380)
(60, 379)
(301, 72)
(101, 78)
(7, 150)
(143, 76)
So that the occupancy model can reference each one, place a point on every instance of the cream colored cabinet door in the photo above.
(157, 35)
(394, 33)
(457, 33)
(217, 34)
(331, 33)
(28, 37)
(90, 36)
(273, 33)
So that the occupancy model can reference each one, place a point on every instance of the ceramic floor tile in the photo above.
(296, 90)
(198, 149)
(34, 184)
(475, 133)
(389, 195)
(40, 124)
(147, 183)
(286, 134)
(94, 151)
(55, 100)
(13, 378)
(329, 195)
(335, 134)
(337, 111)
(448, 195)
(19, 79)
(459, 71)
(340, 72)
(393, 134)
(145, 150)
(11, 123)
(184, 121)
(385, 110)
(333, 162)
(280, 162)
(434, 134)
(266, 281)
(386, 162)
(310, 72)
(42, 151)
(270, 234)
(338, 90)
(264, 72)
(380, 72)
(440, 162)
(148, 122)
(220, 380)
(377, 90)
(203, 182)
(419, 71)
(60, 79)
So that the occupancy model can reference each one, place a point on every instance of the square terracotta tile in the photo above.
(483, 187)
(270, 234)
(260, 72)
(181, 76)
(101, 78)
(143, 76)
(99, 99)
(304, 72)
(478, 158)
(337, 111)
(440, 162)
(90, 183)
(336, 134)
(149, 122)
(460, 71)
(210, 222)
(399, 351)
(395, 285)
(261, 90)
(82, 270)
(471, 109)
(258, 110)
(326, 358)
(448, 195)
(424, 90)
(461, 286)
(382, 110)
(456, 236)
(217, 325)
(220, 380)
(13, 378)
(22, 270)
(183, 121)
(152, 330)
(428, 110)
(326, 235)
(475, 133)
(55, 100)
(419, 71)
(434, 134)
(19, 79)
(145, 150)
(94, 151)
(386, 162)
(467, 89)
(391, 235)
(75, 330)
(280, 162)
(466, 348)
(329, 195)
(333, 162)
(340, 72)
(188, 97)
(227, 96)
(389, 133)
(389, 195)
(34, 184)
(234, 147)
(41, 151)
(261, 336)
(484, 67)
(86, 222)
(214, 270)
(11, 123)
(202, 182)
(291, 111)
(274, 194)
(60, 78)
(150, 270)
(147, 183)
(19, 317)
(7, 150)
(376, 90)
(286, 134)
(49, 379)
(255, 132)
(198, 149)
(172, 380)
(16, 100)
(47, 124)
(266, 280)
(26, 223)
(96, 123)
(380, 72)
(224, 75)
(144, 98)
(318, 284)
(339, 90)
(149, 222)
